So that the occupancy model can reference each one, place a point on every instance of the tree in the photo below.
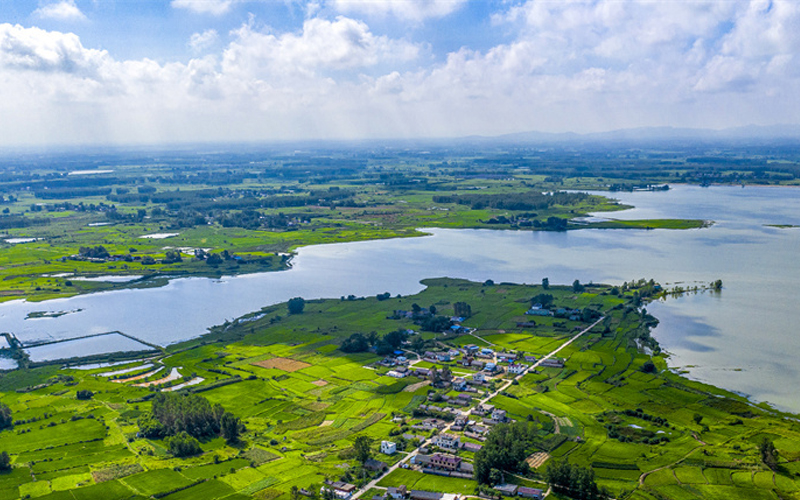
(176, 413)
(84, 394)
(545, 299)
(296, 305)
(545, 283)
(768, 453)
(355, 343)
(506, 448)
(697, 418)
(462, 309)
(495, 477)
(295, 493)
(214, 260)
(577, 287)
(5, 462)
(577, 482)
(363, 448)
(432, 309)
(649, 367)
(230, 427)
(445, 374)
(5, 416)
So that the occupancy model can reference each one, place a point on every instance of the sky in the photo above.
(78, 72)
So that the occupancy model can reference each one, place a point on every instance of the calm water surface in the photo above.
(743, 339)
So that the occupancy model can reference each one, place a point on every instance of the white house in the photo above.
(388, 447)
(516, 369)
(479, 377)
(446, 441)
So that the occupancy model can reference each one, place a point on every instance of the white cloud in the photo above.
(213, 7)
(410, 10)
(65, 10)
(341, 44)
(47, 51)
(202, 41)
(576, 65)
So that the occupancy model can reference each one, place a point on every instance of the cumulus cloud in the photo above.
(213, 7)
(65, 10)
(47, 51)
(202, 41)
(340, 44)
(410, 10)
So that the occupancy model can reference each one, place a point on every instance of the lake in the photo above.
(742, 339)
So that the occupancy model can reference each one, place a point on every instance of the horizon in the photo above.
(84, 73)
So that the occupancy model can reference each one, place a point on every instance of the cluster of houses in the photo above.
(402, 493)
(561, 312)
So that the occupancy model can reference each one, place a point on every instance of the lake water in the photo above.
(742, 339)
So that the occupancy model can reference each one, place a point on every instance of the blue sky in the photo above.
(142, 71)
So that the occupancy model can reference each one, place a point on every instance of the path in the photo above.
(374, 482)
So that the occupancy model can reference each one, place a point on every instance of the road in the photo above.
(374, 482)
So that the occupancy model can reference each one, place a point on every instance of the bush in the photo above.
(183, 445)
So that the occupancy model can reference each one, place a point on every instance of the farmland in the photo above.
(303, 403)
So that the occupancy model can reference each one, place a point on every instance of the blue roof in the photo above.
(398, 352)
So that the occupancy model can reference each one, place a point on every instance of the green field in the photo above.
(598, 411)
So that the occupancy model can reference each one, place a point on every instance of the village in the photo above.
(457, 415)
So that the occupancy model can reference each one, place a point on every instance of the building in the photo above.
(526, 492)
(395, 374)
(421, 459)
(552, 363)
(490, 367)
(459, 383)
(538, 312)
(479, 377)
(397, 493)
(375, 465)
(388, 447)
(530, 358)
(517, 369)
(446, 462)
(499, 415)
(433, 423)
(506, 489)
(425, 495)
(506, 357)
(471, 446)
(446, 441)
(483, 409)
(465, 397)
(340, 489)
